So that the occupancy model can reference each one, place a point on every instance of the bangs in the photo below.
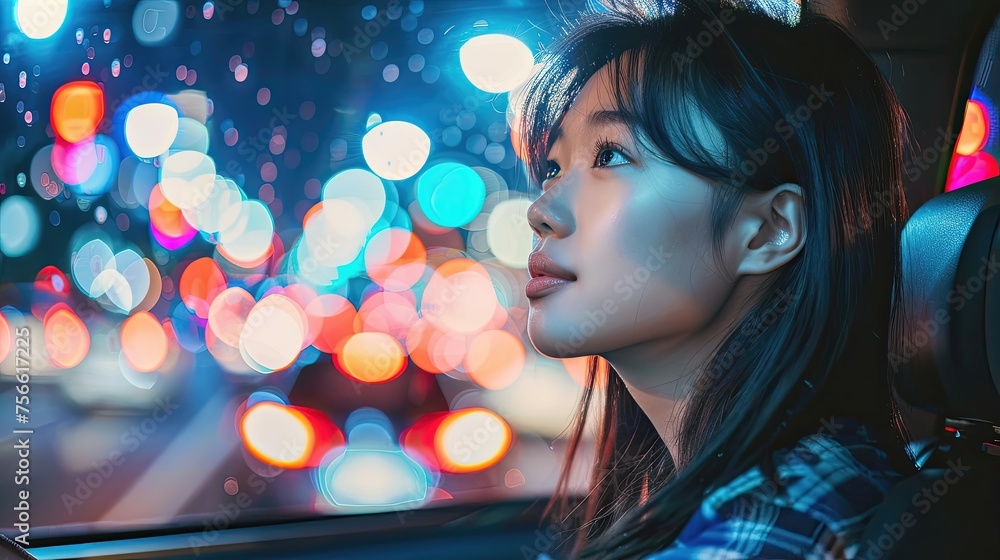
(683, 104)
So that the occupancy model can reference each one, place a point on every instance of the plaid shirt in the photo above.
(833, 481)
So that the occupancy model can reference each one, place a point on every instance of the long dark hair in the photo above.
(800, 103)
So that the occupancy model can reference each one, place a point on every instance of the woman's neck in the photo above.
(660, 383)
(660, 374)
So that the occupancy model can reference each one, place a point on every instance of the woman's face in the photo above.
(633, 230)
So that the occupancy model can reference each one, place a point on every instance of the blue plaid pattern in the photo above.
(833, 481)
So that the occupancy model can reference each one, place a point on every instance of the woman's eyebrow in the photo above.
(597, 119)
(606, 118)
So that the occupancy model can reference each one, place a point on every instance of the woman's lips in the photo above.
(547, 275)
(544, 285)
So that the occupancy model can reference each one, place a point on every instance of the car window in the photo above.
(266, 260)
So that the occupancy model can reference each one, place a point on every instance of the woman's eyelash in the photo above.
(602, 144)
(607, 144)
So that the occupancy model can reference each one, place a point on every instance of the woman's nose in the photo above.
(549, 216)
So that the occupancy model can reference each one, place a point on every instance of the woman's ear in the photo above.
(770, 228)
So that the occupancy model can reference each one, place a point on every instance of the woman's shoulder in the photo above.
(815, 503)
(836, 472)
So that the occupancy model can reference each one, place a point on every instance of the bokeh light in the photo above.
(287, 436)
(495, 62)
(74, 163)
(6, 337)
(966, 170)
(392, 313)
(223, 208)
(150, 129)
(273, 333)
(373, 478)
(40, 19)
(67, 339)
(200, 283)
(191, 135)
(472, 440)
(361, 189)
(156, 22)
(334, 317)
(43, 176)
(77, 110)
(167, 223)
(89, 261)
(396, 150)
(459, 297)
(970, 163)
(451, 194)
(144, 343)
(372, 472)
(187, 177)
(228, 313)
(495, 359)
(124, 284)
(395, 259)
(248, 241)
(108, 160)
(507, 232)
(975, 128)
(371, 357)
(335, 233)
(20, 226)
(577, 369)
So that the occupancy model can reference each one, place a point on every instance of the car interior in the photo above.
(180, 498)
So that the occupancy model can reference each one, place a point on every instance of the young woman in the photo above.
(719, 228)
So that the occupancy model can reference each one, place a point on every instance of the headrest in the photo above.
(951, 294)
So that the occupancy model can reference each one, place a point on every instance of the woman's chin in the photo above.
(550, 344)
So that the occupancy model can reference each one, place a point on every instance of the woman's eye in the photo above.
(608, 157)
(552, 170)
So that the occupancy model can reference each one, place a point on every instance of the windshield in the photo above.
(266, 260)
